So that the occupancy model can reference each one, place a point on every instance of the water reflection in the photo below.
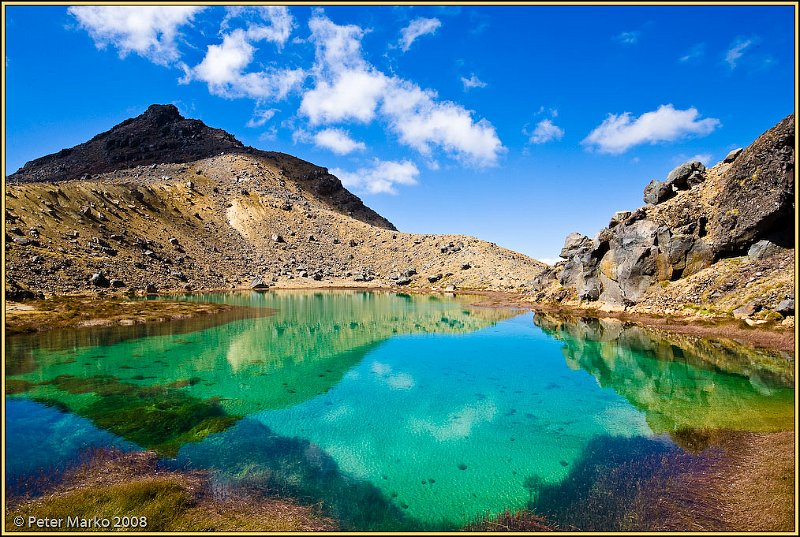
(680, 382)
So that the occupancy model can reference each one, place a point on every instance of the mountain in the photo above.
(718, 241)
(168, 203)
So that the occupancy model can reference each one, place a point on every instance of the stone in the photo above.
(466, 266)
(730, 157)
(353, 243)
(656, 192)
(403, 281)
(434, 278)
(786, 307)
(277, 238)
(618, 217)
(747, 310)
(407, 273)
(173, 241)
(258, 283)
(450, 288)
(117, 283)
(98, 279)
(680, 177)
(151, 289)
(763, 249)
(573, 244)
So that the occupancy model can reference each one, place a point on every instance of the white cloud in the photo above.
(382, 177)
(618, 133)
(280, 22)
(417, 28)
(348, 88)
(736, 51)
(694, 53)
(149, 31)
(546, 131)
(338, 141)
(472, 82)
(260, 117)
(628, 38)
(223, 67)
(351, 95)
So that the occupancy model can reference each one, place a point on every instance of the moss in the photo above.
(18, 386)
(155, 417)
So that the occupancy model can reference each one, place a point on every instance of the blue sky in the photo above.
(517, 125)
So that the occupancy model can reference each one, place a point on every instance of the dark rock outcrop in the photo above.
(687, 225)
(161, 135)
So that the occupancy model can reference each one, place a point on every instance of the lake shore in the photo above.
(82, 310)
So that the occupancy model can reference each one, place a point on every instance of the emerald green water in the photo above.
(395, 412)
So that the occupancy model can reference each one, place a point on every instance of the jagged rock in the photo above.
(786, 307)
(574, 244)
(618, 218)
(730, 157)
(656, 192)
(756, 197)
(686, 175)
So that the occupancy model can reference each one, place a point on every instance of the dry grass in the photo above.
(112, 483)
(523, 520)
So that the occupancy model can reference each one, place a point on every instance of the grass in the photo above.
(131, 484)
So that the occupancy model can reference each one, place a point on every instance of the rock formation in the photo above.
(695, 218)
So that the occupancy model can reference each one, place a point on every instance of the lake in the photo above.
(396, 412)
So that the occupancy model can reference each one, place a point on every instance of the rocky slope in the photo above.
(161, 202)
(717, 241)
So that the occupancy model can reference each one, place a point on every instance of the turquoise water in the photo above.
(395, 412)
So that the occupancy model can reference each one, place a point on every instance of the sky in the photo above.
(514, 124)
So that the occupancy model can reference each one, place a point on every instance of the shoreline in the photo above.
(770, 336)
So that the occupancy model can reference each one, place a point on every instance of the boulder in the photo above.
(434, 278)
(786, 307)
(403, 281)
(656, 192)
(258, 283)
(277, 238)
(686, 175)
(763, 249)
(98, 279)
(730, 157)
(747, 310)
(756, 196)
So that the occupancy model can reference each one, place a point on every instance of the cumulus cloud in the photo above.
(348, 88)
(472, 82)
(620, 132)
(546, 131)
(338, 141)
(223, 67)
(736, 51)
(381, 177)
(416, 29)
(149, 31)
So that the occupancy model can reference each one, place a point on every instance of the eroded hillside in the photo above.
(227, 220)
